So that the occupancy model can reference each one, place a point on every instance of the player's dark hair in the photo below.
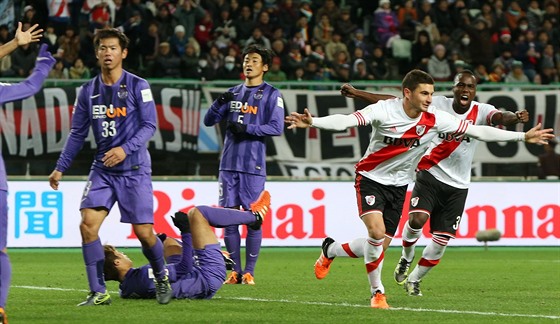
(414, 78)
(265, 53)
(110, 33)
(109, 270)
(460, 74)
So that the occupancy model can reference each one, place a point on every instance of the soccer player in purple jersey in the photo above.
(120, 109)
(252, 110)
(8, 93)
(196, 267)
(402, 132)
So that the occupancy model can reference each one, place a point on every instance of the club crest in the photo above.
(420, 129)
(370, 200)
(258, 95)
(414, 201)
(122, 93)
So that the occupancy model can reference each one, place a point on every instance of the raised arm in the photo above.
(31, 35)
(336, 122)
(349, 91)
(508, 118)
(535, 135)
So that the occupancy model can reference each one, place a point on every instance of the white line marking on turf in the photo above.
(426, 310)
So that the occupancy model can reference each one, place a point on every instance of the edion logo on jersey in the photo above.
(102, 112)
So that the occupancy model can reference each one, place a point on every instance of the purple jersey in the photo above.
(17, 91)
(122, 114)
(261, 108)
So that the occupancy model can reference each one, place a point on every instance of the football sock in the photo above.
(94, 257)
(253, 247)
(232, 239)
(154, 254)
(186, 264)
(223, 217)
(5, 277)
(373, 259)
(352, 249)
(431, 256)
(409, 238)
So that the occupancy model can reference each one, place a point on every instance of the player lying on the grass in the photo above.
(442, 179)
(197, 269)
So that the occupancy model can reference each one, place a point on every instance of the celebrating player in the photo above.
(253, 110)
(402, 132)
(191, 279)
(8, 93)
(120, 109)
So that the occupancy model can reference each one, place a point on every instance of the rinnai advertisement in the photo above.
(302, 214)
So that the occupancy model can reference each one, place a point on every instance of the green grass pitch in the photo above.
(470, 285)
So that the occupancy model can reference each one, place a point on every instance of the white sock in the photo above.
(409, 238)
(352, 249)
(373, 258)
(431, 256)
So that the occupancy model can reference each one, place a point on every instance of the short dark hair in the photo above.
(109, 270)
(465, 71)
(110, 33)
(265, 53)
(414, 78)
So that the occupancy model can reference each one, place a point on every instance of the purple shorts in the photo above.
(239, 189)
(4, 219)
(207, 277)
(134, 193)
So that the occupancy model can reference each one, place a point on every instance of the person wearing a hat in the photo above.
(516, 75)
(344, 24)
(385, 23)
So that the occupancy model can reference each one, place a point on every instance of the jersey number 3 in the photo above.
(108, 128)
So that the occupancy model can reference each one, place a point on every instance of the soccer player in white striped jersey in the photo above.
(402, 132)
(442, 181)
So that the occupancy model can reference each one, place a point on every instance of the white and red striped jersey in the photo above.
(449, 158)
(58, 8)
(398, 142)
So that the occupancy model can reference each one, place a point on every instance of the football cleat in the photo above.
(163, 290)
(234, 278)
(378, 300)
(401, 271)
(323, 263)
(96, 299)
(228, 260)
(248, 279)
(3, 316)
(259, 208)
(413, 288)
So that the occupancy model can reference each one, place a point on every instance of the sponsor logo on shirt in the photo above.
(406, 142)
(239, 107)
(103, 112)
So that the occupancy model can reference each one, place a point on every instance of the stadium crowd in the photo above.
(314, 40)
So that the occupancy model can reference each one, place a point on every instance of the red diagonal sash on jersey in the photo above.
(445, 148)
(373, 160)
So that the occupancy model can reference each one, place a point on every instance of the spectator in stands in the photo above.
(59, 15)
(461, 46)
(294, 59)
(421, 51)
(23, 60)
(341, 60)
(497, 75)
(59, 71)
(51, 39)
(190, 62)
(30, 16)
(335, 45)
(344, 24)
(275, 74)
(306, 10)
(244, 25)
(287, 14)
(186, 14)
(438, 66)
(505, 59)
(258, 38)
(408, 19)
(79, 70)
(279, 48)
(203, 31)
(528, 51)
(204, 72)
(230, 71)
(385, 24)
(224, 31)
(119, 16)
(379, 65)
(516, 75)
(178, 41)
(360, 71)
(331, 9)
(425, 9)
(551, 13)
(481, 46)
(5, 35)
(549, 162)
(302, 32)
(430, 27)
(265, 24)
(513, 14)
(443, 17)
(167, 64)
(481, 74)
(150, 44)
(548, 66)
(69, 43)
(6, 69)
(215, 58)
(166, 22)
(323, 30)
(504, 43)
(534, 15)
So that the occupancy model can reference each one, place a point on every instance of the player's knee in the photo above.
(417, 220)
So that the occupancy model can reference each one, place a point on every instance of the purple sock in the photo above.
(186, 264)
(154, 254)
(232, 239)
(253, 246)
(5, 277)
(223, 217)
(94, 257)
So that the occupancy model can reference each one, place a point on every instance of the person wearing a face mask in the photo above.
(480, 44)
(230, 70)
(204, 72)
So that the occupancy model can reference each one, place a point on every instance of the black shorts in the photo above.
(388, 200)
(443, 203)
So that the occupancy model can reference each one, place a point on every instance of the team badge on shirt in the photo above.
(258, 95)
(414, 201)
(420, 129)
(370, 200)
(122, 93)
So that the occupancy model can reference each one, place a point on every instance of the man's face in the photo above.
(421, 98)
(464, 90)
(110, 54)
(253, 66)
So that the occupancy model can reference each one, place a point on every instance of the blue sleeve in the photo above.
(78, 131)
(215, 114)
(26, 88)
(275, 123)
(147, 127)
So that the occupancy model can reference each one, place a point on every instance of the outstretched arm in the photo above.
(31, 35)
(336, 122)
(535, 135)
(349, 91)
(509, 118)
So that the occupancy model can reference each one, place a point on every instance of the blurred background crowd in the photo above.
(317, 40)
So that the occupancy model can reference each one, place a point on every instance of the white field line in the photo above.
(408, 309)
